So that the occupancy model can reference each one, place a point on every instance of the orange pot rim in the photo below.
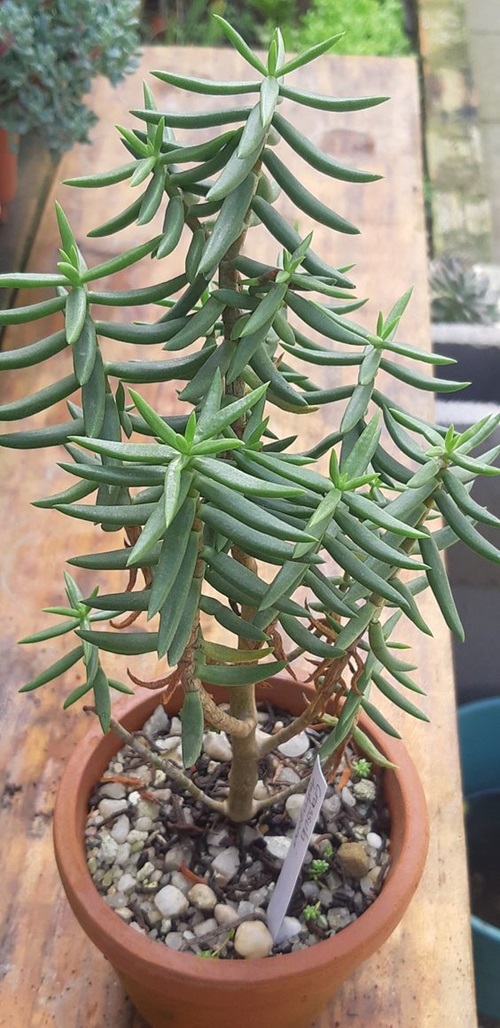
(361, 938)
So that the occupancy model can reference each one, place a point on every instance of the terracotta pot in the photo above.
(174, 990)
(8, 168)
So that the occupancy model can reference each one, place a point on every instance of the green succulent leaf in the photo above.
(311, 54)
(303, 199)
(59, 667)
(39, 401)
(240, 45)
(127, 643)
(327, 103)
(238, 674)
(23, 315)
(316, 158)
(463, 528)
(191, 728)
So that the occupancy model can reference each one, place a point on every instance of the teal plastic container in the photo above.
(479, 737)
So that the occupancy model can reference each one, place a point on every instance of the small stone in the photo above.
(202, 897)
(365, 791)
(246, 909)
(163, 796)
(225, 866)
(168, 743)
(218, 838)
(144, 773)
(333, 881)
(287, 776)
(295, 747)
(160, 777)
(171, 902)
(374, 840)
(331, 806)
(158, 722)
(137, 928)
(338, 917)
(176, 726)
(260, 792)
(217, 746)
(253, 939)
(109, 847)
(122, 854)
(290, 927)
(113, 790)
(145, 871)
(92, 865)
(278, 845)
(310, 890)
(354, 859)
(259, 897)
(224, 914)
(143, 824)
(205, 927)
(151, 913)
(174, 940)
(126, 883)
(108, 807)
(124, 913)
(145, 808)
(347, 797)
(325, 897)
(294, 806)
(176, 856)
(116, 900)
(180, 881)
(120, 829)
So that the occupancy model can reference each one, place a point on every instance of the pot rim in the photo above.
(412, 837)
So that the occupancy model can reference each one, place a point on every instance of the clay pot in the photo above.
(175, 990)
(8, 169)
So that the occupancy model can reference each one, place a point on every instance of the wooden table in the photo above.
(52, 976)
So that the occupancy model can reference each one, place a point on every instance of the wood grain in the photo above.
(52, 976)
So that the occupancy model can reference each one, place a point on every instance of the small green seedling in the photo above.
(318, 868)
(361, 767)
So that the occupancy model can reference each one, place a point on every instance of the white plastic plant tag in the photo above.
(280, 899)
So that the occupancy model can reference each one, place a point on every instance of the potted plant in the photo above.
(227, 524)
(50, 52)
(478, 724)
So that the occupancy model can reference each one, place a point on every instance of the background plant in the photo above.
(49, 53)
(461, 294)
(370, 26)
(204, 497)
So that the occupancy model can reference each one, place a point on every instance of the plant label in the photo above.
(290, 871)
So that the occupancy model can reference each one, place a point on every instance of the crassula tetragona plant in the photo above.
(203, 498)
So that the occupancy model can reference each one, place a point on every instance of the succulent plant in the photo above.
(461, 294)
(50, 52)
(204, 497)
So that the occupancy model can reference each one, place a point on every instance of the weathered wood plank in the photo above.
(52, 975)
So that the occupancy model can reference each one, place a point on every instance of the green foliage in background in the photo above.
(371, 26)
